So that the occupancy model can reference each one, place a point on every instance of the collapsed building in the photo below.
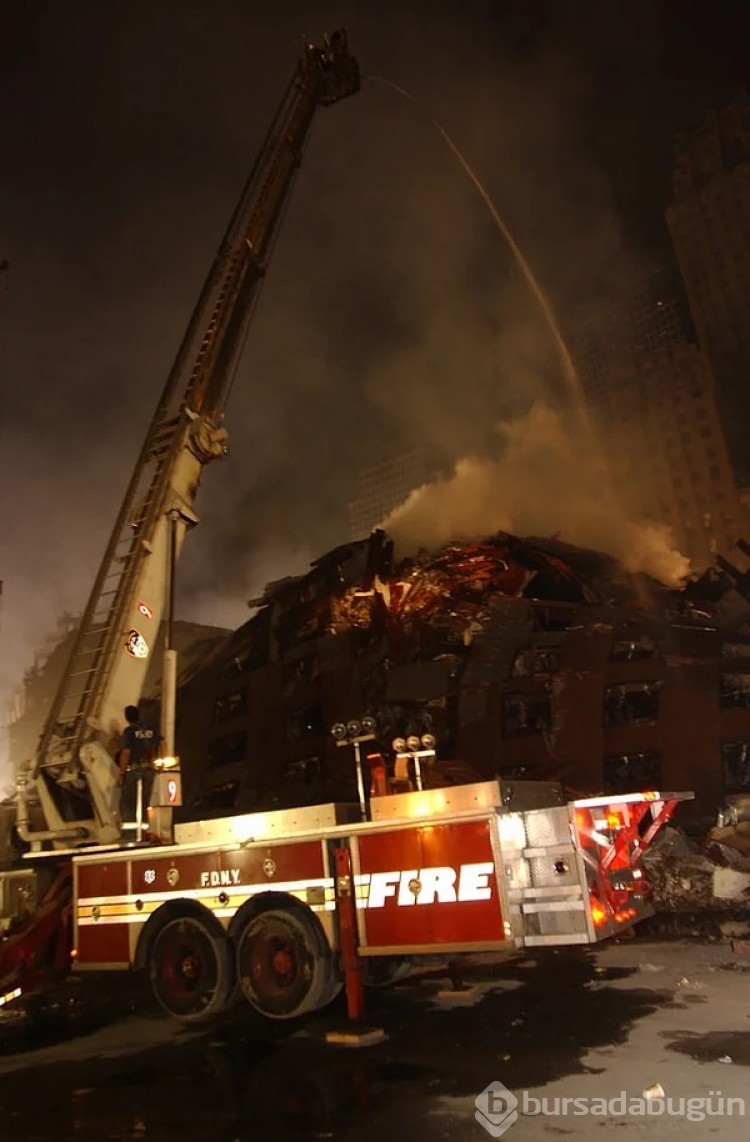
(525, 658)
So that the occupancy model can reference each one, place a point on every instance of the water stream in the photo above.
(570, 374)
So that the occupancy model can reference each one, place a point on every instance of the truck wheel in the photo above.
(284, 965)
(190, 968)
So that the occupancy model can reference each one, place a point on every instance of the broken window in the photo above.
(631, 703)
(735, 756)
(632, 772)
(227, 749)
(254, 651)
(734, 691)
(638, 647)
(535, 660)
(527, 714)
(229, 705)
(304, 669)
(304, 723)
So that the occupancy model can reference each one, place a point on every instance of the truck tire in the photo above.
(190, 969)
(284, 965)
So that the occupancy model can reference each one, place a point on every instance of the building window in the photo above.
(254, 651)
(736, 760)
(300, 671)
(304, 724)
(227, 749)
(734, 691)
(632, 773)
(527, 714)
(535, 660)
(632, 703)
(632, 649)
(229, 705)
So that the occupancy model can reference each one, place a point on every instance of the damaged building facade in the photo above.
(524, 658)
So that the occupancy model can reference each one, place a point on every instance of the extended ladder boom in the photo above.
(109, 660)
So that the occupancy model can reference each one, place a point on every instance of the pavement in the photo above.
(96, 1061)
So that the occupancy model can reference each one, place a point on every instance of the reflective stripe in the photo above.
(123, 909)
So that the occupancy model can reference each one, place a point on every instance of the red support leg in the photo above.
(346, 916)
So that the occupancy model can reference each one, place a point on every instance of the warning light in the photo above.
(598, 914)
(651, 796)
(582, 821)
(614, 821)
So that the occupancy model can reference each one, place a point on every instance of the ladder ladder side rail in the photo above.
(276, 180)
(237, 252)
(90, 610)
(113, 566)
(199, 319)
(161, 504)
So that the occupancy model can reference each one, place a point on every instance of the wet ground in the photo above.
(98, 1062)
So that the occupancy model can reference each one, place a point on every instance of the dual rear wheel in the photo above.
(280, 963)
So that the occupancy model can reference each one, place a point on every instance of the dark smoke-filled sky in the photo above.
(392, 313)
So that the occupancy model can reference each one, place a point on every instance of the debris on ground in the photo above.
(710, 878)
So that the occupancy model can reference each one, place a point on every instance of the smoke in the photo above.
(549, 480)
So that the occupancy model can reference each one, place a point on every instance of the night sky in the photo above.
(392, 313)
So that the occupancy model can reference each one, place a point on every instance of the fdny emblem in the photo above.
(136, 644)
(173, 876)
(269, 866)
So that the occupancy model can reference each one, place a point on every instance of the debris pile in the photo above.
(712, 877)
(358, 587)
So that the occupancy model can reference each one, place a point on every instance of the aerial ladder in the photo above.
(73, 770)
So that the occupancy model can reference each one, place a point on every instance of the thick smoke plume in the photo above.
(549, 480)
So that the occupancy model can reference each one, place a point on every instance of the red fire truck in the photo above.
(280, 908)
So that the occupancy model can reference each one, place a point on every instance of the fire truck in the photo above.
(280, 909)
